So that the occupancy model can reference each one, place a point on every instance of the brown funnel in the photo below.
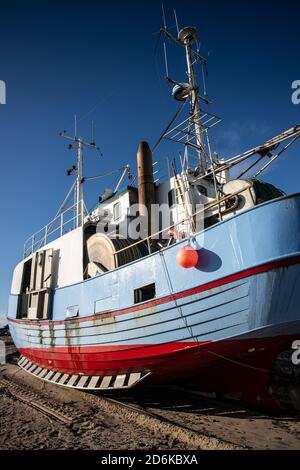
(146, 187)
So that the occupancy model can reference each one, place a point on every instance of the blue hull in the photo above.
(245, 291)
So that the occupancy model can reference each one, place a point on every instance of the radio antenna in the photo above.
(79, 146)
(92, 134)
(176, 21)
(166, 60)
(165, 46)
(75, 125)
(164, 16)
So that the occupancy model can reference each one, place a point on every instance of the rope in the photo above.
(179, 308)
(242, 364)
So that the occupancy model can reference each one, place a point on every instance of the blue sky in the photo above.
(96, 59)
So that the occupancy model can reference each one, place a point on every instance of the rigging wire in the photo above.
(157, 43)
(99, 151)
(100, 101)
(60, 210)
(103, 175)
(62, 206)
(271, 160)
(251, 166)
(203, 78)
(277, 140)
(169, 125)
(158, 74)
(276, 156)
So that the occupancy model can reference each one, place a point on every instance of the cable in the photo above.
(278, 155)
(238, 363)
(168, 127)
(103, 175)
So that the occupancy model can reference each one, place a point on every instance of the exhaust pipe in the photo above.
(146, 188)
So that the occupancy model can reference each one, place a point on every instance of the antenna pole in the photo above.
(92, 133)
(176, 21)
(166, 60)
(79, 185)
(196, 112)
(75, 125)
(79, 201)
(164, 16)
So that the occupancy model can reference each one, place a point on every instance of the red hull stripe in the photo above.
(168, 360)
(98, 353)
(196, 290)
(107, 359)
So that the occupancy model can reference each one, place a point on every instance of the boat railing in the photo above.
(206, 208)
(161, 170)
(66, 221)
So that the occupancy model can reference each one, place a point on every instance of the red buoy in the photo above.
(187, 257)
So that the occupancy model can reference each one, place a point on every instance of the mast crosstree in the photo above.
(78, 169)
(192, 132)
(188, 36)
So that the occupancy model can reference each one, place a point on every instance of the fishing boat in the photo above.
(206, 296)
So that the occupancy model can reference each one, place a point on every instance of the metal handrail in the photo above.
(187, 219)
(43, 240)
(42, 236)
(50, 223)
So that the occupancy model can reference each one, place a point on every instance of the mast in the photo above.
(79, 184)
(78, 169)
(188, 36)
(192, 128)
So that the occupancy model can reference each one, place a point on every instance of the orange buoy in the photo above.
(187, 257)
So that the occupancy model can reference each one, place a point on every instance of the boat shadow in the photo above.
(179, 401)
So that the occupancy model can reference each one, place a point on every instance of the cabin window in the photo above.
(144, 293)
(202, 191)
(171, 198)
(116, 211)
